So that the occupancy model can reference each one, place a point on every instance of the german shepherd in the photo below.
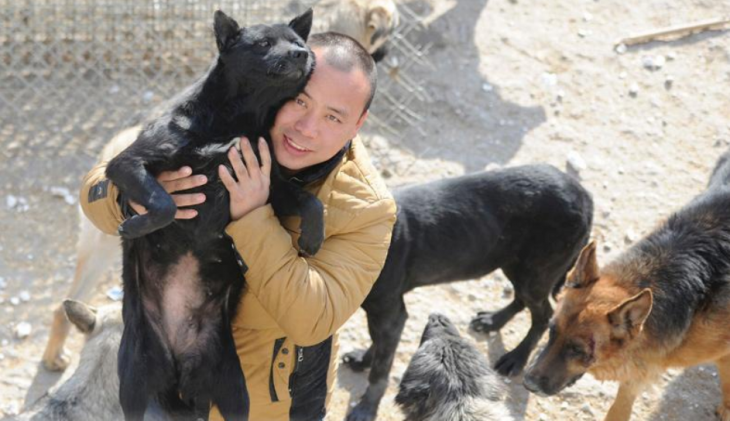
(449, 379)
(183, 280)
(530, 221)
(663, 303)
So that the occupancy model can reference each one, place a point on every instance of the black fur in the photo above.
(448, 378)
(181, 279)
(530, 221)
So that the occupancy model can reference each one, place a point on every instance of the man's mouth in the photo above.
(294, 145)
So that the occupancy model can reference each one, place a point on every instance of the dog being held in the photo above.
(449, 379)
(183, 280)
(530, 221)
(665, 302)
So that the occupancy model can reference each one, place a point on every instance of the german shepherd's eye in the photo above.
(576, 351)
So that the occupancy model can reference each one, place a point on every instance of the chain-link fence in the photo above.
(74, 71)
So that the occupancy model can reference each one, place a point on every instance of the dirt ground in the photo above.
(511, 82)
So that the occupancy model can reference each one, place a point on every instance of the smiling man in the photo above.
(287, 323)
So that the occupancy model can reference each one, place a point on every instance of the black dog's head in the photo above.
(264, 55)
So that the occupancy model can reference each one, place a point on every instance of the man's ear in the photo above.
(81, 315)
(628, 318)
(302, 24)
(585, 271)
(225, 28)
(361, 120)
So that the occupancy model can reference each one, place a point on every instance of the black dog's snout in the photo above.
(299, 54)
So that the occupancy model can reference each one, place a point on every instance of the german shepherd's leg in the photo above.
(288, 199)
(387, 327)
(492, 321)
(96, 253)
(723, 367)
(621, 408)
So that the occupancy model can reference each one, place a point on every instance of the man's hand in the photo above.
(251, 191)
(179, 180)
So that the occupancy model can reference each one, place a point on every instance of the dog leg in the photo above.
(231, 394)
(491, 321)
(513, 362)
(96, 253)
(133, 381)
(621, 408)
(389, 327)
(288, 199)
(723, 367)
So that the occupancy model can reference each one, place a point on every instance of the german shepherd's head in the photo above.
(596, 319)
(264, 55)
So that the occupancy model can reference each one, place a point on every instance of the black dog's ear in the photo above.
(302, 24)
(225, 29)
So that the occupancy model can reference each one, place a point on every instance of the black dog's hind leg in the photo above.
(386, 327)
(132, 178)
(492, 321)
(288, 199)
(230, 393)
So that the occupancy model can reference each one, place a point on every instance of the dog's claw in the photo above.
(484, 323)
(511, 364)
(355, 360)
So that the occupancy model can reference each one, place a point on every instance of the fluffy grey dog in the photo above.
(448, 379)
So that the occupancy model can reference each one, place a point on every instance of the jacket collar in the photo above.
(319, 171)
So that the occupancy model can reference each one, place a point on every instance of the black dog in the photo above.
(182, 280)
(449, 379)
(530, 221)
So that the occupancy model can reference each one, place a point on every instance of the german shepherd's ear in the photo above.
(302, 24)
(81, 315)
(628, 318)
(585, 271)
(225, 28)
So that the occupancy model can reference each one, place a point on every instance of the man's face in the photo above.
(314, 126)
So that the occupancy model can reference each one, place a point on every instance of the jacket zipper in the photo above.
(297, 362)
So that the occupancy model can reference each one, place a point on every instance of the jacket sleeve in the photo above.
(310, 298)
(98, 199)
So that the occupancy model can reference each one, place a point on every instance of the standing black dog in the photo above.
(530, 221)
(448, 379)
(182, 280)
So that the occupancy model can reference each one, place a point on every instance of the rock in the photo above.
(115, 293)
(669, 82)
(634, 90)
(621, 48)
(630, 236)
(575, 163)
(23, 330)
(14, 301)
(11, 201)
(653, 63)
(24, 296)
(64, 193)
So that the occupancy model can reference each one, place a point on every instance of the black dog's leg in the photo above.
(360, 359)
(288, 199)
(513, 362)
(492, 321)
(387, 327)
(132, 178)
(132, 371)
(231, 394)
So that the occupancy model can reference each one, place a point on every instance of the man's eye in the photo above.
(300, 102)
(333, 118)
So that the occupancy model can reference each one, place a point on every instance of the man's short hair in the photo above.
(345, 53)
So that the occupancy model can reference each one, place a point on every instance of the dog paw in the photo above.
(310, 243)
(362, 413)
(484, 323)
(511, 364)
(356, 360)
(57, 362)
(723, 413)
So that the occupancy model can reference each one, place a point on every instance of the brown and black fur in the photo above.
(530, 221)
(663, 303)
(183, 279)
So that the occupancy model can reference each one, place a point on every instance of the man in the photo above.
(285, 330)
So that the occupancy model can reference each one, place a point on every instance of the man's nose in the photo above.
(307, 125)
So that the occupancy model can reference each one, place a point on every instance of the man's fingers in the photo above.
(182, 200)
(252, 164)
(174, 175)
(235, 158)
(265, 157)
(227, 179)
(185, 183)
(186, 214)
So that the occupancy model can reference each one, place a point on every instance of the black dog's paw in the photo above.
(485, 322)
(312, 230)
(362, 413)
(357, 360)
(512, 363)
